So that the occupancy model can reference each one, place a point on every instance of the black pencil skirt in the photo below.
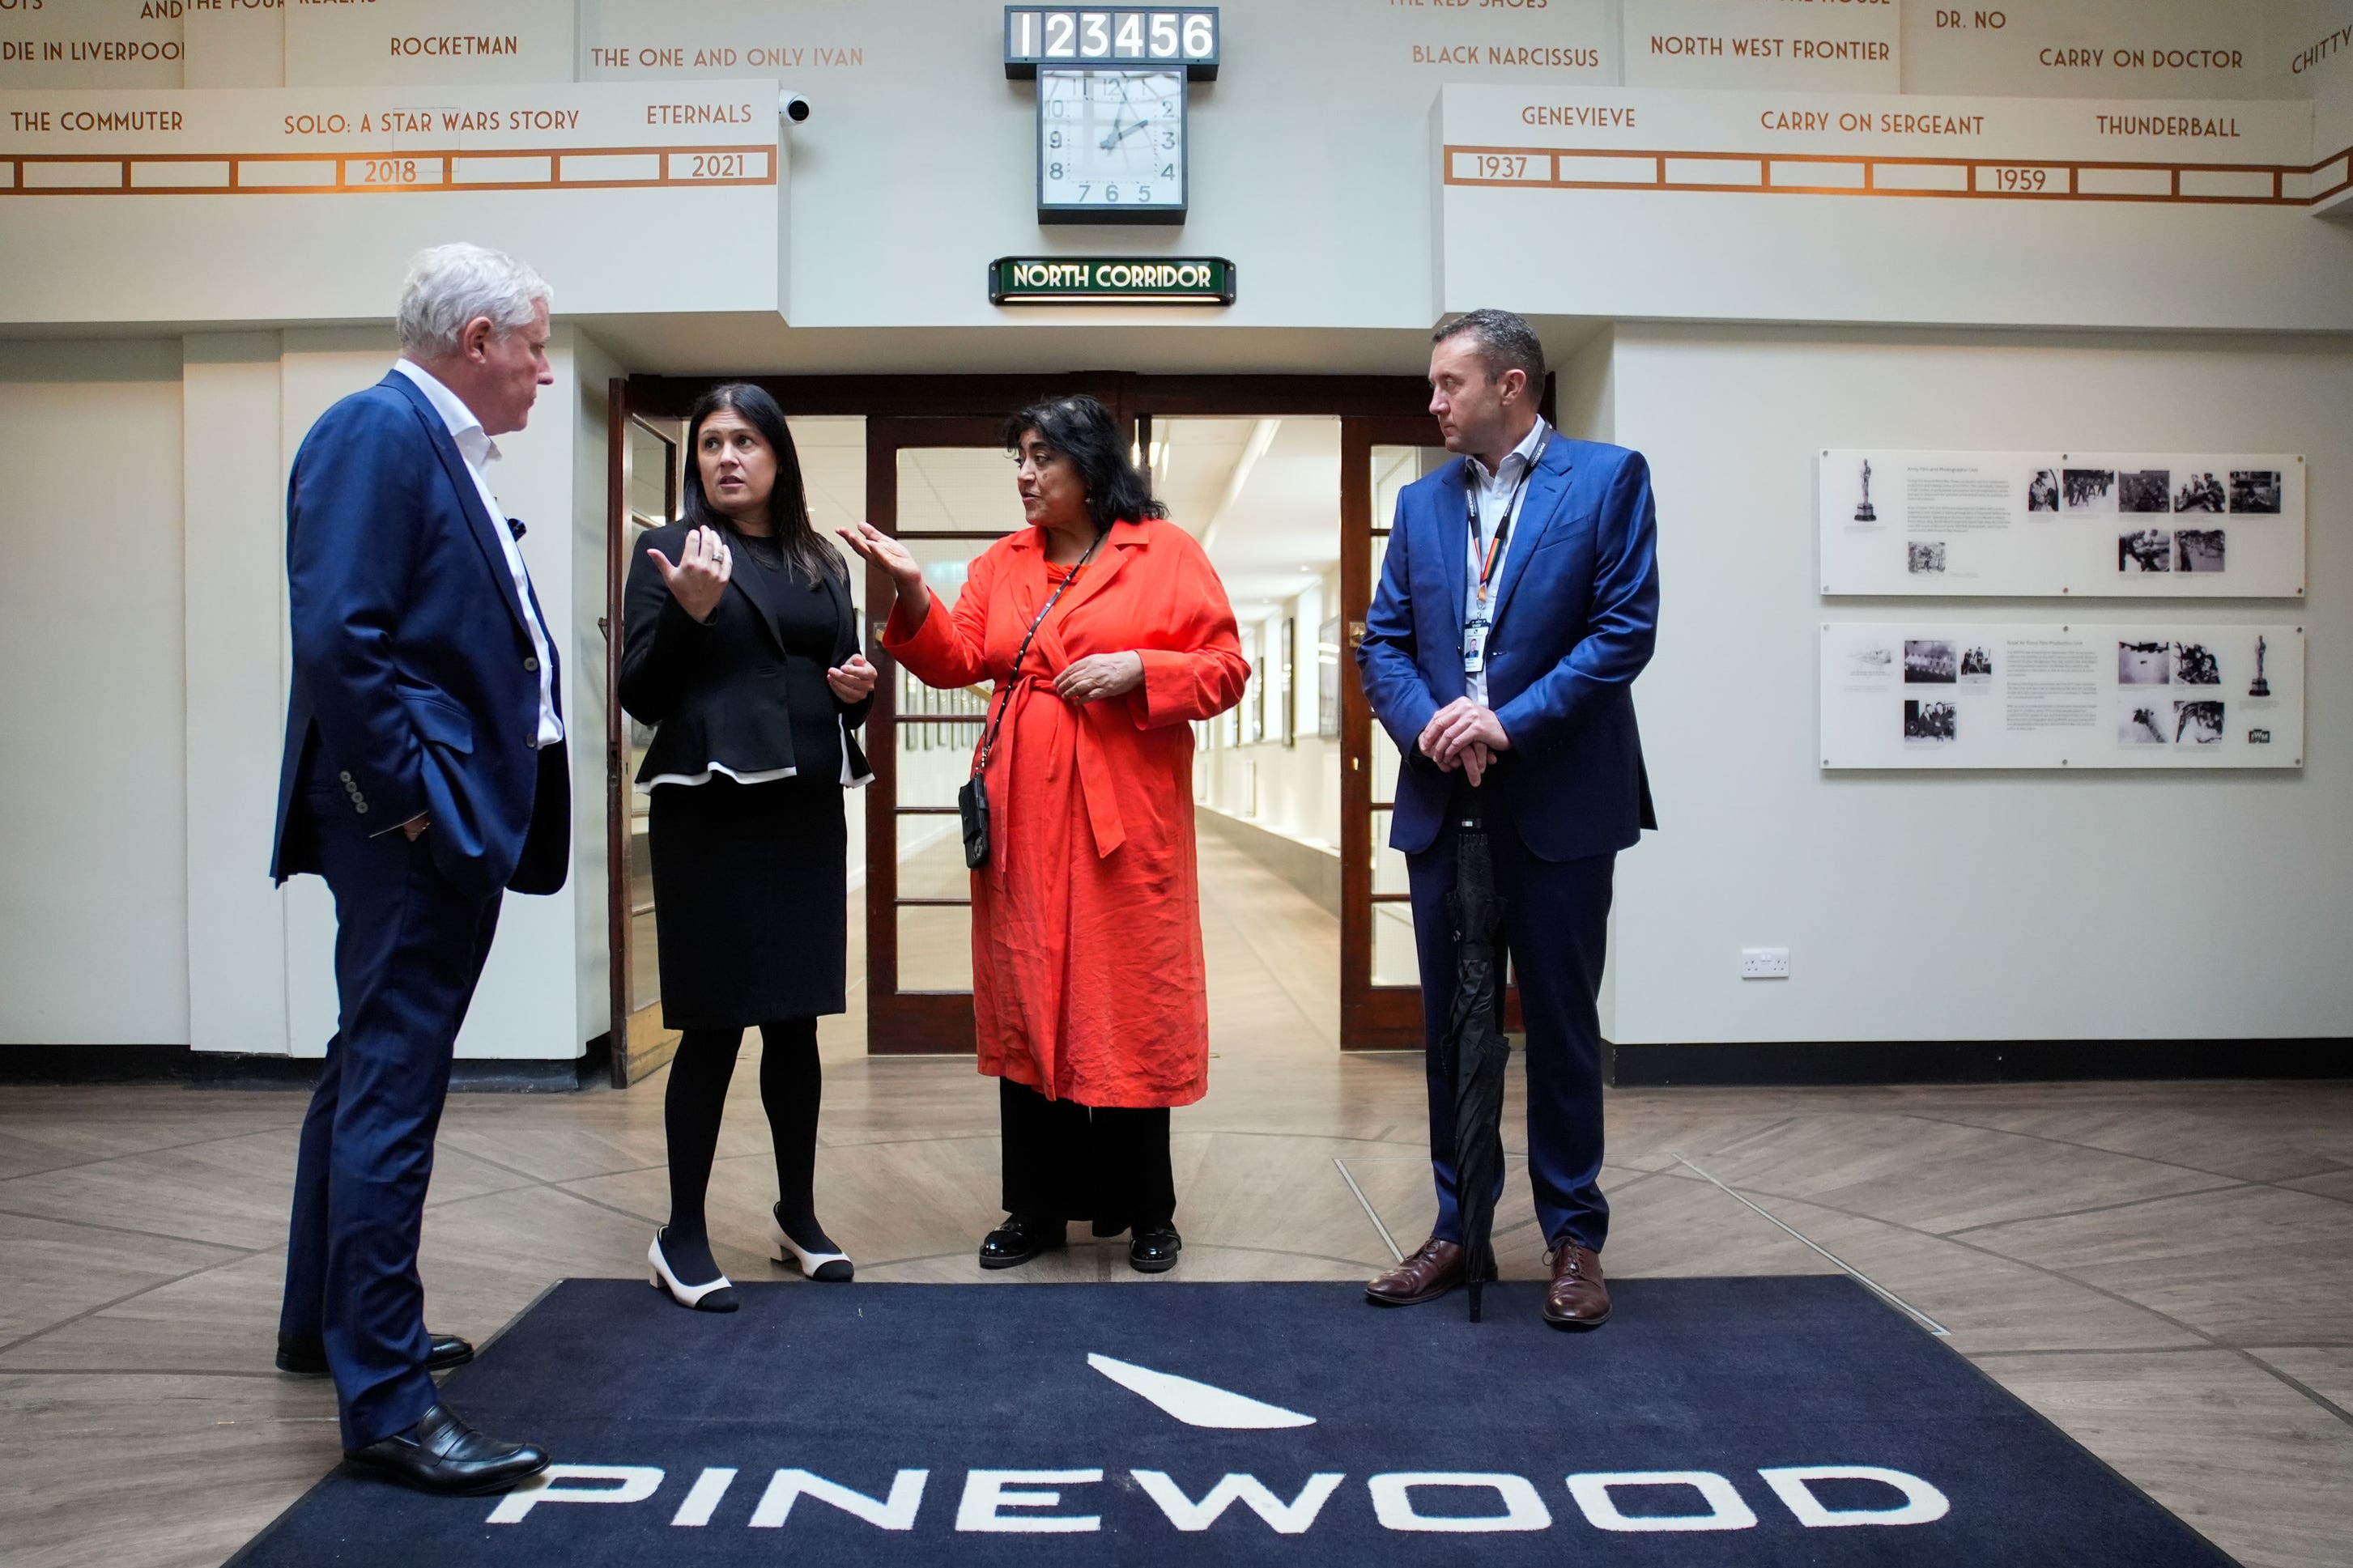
(751, 900)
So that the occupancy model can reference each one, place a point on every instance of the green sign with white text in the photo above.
(1111, 281)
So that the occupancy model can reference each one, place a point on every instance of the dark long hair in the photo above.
(1081, 429)
(787, 502)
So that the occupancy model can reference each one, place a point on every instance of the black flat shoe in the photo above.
(1154, 1250)
(442, 1453)
(1019, 1239)
(305, 1355)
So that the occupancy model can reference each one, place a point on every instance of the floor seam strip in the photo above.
(1865, 1281)
(1370, 1213)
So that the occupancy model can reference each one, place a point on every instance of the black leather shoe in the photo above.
(1020, 1239)
(442, 1453)
(305, 1355)
(1154, 1248)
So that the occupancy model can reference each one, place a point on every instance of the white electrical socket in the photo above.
(1763, 964)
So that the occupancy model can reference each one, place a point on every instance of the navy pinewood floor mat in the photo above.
(1767, 1421)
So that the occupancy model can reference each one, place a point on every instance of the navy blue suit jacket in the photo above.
(414, 669)
(1577, 612)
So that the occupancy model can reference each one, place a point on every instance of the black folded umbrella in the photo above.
(1474, 1050)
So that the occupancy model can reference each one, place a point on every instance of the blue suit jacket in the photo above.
(414, 669)
(1577, 612)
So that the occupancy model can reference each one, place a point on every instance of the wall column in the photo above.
(234, 473)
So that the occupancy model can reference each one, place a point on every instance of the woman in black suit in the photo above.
(740, 644)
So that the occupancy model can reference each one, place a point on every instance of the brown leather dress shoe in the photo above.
(1579, 1296)
(1433, 1270)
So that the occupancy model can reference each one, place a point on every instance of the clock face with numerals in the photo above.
(1111, 145)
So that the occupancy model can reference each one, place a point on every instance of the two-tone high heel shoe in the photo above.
(823, 1262)
(718, 1296)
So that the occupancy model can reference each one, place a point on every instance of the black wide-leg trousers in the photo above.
(1064, 1161)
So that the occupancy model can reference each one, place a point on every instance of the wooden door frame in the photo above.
(903, 1023)
(966, 410)
(1372, 1017)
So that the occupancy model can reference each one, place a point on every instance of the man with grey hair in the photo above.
(424, 774)
(1518, 600)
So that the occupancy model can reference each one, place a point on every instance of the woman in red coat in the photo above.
(1086, 923)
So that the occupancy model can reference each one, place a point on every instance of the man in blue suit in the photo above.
(425, 773)
(1518, 601)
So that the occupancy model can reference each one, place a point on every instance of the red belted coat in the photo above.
(1086, 923)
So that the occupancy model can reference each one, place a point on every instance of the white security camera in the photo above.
(792, 106)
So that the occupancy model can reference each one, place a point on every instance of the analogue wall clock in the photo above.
(1112, 119)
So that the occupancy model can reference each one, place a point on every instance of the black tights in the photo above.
(791, 1085)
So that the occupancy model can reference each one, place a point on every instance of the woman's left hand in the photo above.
(1100, 675)
(852, 681)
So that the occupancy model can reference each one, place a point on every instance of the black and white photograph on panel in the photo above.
(2145, 490)
(1930, 723)
(2255, 491)
(2198, 550)
(2201, 492)
(2197, 724)
(1875, 659)
(2194, 664)
(2145, 549)
(2145, 724)
(2089, 490)
(2143, 663)
(2042, 490)
(1924, 555)
(1976, 665)
(1929, 662)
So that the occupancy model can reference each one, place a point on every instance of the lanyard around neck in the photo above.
(1494, 550)
(1005, 689)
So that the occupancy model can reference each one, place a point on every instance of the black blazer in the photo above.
(711, 688)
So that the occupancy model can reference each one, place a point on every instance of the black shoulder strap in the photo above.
(997, 723)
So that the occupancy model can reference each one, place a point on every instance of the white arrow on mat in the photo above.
(1197, 1404)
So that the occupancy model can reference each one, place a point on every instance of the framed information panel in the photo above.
(2125, 524)
(1918, 694)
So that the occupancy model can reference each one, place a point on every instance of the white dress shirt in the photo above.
(1494, 493)
(476, 447)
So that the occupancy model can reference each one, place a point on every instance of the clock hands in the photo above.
(1119, 133)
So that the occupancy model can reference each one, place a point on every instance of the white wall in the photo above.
(1978, 906)
(235, 461)
(93, 831)
(147, 724)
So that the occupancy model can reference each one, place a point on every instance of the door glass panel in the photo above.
(935, 945)
(1388, 865)
(931, 858)
(1393, 960)
(964, 490)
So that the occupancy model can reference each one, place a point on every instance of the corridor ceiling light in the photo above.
(1261, 437)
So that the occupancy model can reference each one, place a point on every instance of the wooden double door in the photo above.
(932, 446)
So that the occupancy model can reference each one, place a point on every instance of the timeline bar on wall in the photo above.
(277, 173)
(1827, 175)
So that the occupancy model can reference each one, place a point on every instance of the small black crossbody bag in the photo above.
(972, 800)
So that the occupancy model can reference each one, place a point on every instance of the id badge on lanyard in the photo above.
(1475, 643)
(1481, 620)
